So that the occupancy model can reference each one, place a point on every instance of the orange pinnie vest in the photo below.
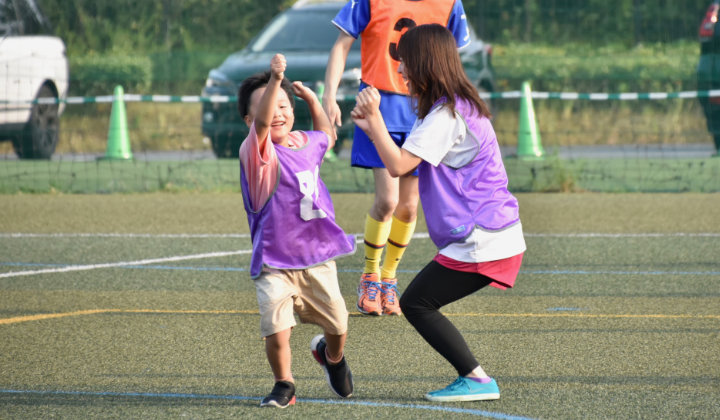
(389, 20)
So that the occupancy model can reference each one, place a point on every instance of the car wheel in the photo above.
(40, 135)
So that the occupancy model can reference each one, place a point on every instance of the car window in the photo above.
(299, 30)
(21, 17)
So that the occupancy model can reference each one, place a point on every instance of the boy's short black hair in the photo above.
(256, 81)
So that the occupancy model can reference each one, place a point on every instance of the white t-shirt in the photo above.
(441, 138)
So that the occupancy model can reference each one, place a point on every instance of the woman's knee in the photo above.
(411, 306)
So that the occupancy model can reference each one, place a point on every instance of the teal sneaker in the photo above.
(465, 389)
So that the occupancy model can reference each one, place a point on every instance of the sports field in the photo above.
(141, 306)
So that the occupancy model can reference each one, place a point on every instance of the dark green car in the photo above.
(305, 34)
(708, 71)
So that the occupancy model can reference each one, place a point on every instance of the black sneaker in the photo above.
(338, 375)
(282, 395)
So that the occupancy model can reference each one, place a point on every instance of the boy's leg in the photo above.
(377, 229)
(277, 348)
(275, 291)
(321, 303)
(331, 358)
(401, 231)
(335, 347)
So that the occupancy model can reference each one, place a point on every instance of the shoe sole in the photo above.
(313, 349)
(478, 397)
(275, 404)
(364, 312)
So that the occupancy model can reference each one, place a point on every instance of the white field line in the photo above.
(123, 263)
(419, 235)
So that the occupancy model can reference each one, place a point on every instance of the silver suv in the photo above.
(33, 80)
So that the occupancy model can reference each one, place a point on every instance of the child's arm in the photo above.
(367, 116)
(333, 74)
(319, 118)
(268, 102)
(257, 156)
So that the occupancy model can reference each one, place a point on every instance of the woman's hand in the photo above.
(367, 108)
(367, 102)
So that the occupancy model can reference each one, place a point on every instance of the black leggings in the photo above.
(434, 287)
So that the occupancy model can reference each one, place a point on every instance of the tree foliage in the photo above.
(169, 45)
(143, 26)
(596, 22)
(132, 26)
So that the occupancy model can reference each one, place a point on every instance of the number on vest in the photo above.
(309, 187)
(402, 23)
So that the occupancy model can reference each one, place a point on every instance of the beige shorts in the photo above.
(313, 293)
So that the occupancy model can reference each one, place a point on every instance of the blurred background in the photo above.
(170, 47)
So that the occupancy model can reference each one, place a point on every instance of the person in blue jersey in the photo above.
(390, 222)
(471, 216)
(294, 234)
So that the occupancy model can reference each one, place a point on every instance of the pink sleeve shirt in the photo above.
(261, 164)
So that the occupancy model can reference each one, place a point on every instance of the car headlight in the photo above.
(217, 82)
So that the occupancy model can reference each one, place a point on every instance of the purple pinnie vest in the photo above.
(456, 200)
(296, 228)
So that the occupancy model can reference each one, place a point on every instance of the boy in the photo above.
(292, 224)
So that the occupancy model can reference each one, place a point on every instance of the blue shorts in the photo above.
(364, 154)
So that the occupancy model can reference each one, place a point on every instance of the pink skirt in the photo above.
(502, 272)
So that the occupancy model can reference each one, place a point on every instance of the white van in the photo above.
(33, 80)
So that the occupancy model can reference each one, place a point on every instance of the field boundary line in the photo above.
(122, 263)
(40, 317)
(441, 408)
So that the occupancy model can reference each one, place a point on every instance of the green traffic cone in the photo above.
(118, 146)
(529, 144)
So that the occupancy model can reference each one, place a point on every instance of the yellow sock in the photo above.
(376, 234)
(399, 238)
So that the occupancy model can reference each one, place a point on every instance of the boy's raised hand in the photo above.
(278, 64)
(303, 92)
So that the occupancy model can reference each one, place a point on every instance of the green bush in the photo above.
(610, 69)
(98, 75)
(181, 72)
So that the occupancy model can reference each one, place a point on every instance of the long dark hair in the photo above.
(433, 67)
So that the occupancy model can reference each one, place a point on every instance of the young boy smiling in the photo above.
(292, 224)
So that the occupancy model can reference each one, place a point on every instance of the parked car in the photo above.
(305, 34)
(33, 77)
(708, 70)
